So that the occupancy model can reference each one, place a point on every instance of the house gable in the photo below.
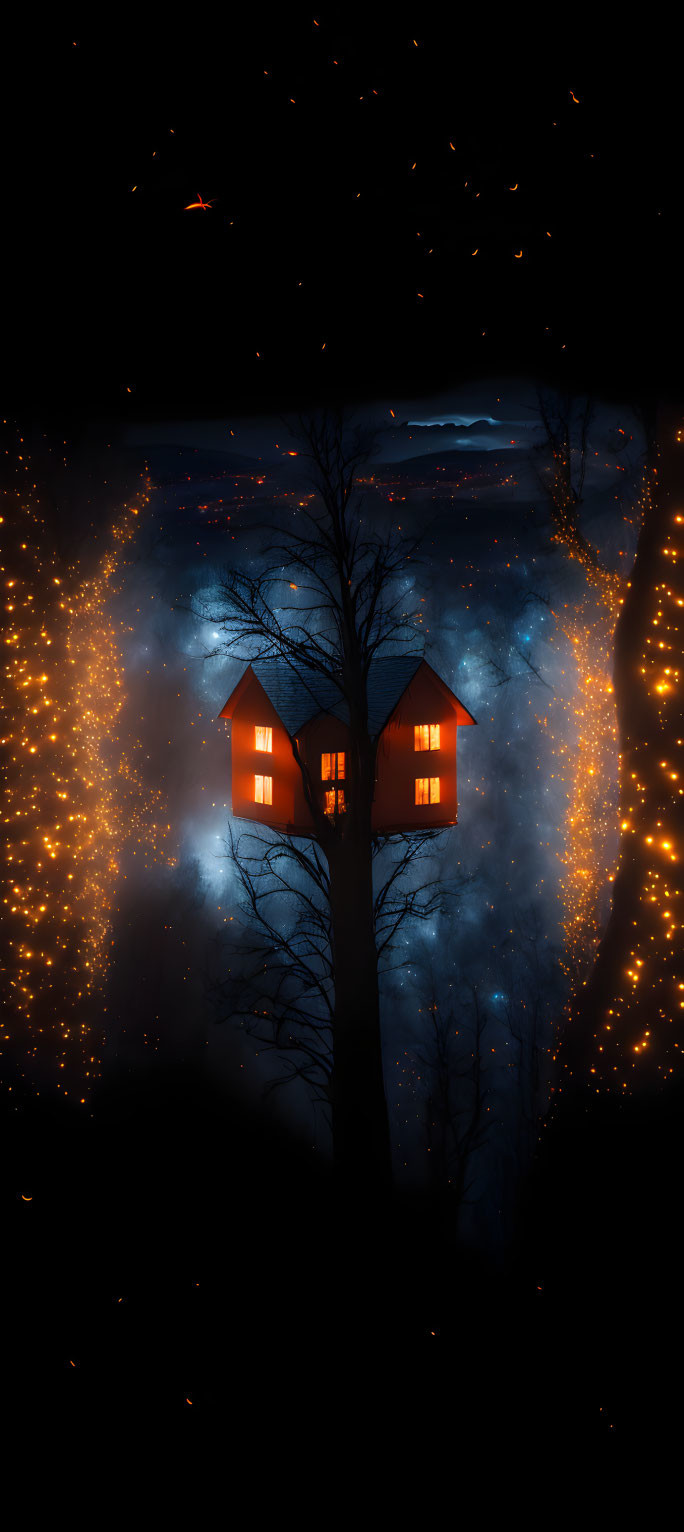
(237, 692)
(427, 700)
(249, 707)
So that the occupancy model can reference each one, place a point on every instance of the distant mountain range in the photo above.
(403, 445)
(413, 440)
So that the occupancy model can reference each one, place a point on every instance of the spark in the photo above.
(199, 203)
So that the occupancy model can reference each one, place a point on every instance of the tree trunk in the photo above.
(618, 1012)
(361, 1140)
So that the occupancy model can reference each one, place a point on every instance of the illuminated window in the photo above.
(332, 767)
(263, 789)
(427, 790)
(426, 736)
(334, 800)
(263, 738)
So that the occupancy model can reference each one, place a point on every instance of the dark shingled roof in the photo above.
(297, 698)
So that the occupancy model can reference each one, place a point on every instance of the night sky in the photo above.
(353, 168)
(425, 221)
(490, 583)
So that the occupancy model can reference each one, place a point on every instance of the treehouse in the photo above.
(412, 716)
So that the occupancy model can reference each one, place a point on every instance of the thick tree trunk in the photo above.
(361, 1140)
(616, 1012)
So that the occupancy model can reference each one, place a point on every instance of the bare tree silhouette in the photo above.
(457, 1092)
(283, 987)
(316, 968)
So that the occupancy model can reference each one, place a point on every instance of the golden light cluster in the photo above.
(644, 1020)
(637, 1023)
(586, 744)
(585, 749)
(74, 798)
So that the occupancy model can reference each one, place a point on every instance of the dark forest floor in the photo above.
(180, 1259)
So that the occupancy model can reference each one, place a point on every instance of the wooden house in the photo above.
(412, 715)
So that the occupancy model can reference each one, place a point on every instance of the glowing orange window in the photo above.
(263, 738)
(426, 736)
(427, 790)
(263, 789)
(332, 767)
(334, 800)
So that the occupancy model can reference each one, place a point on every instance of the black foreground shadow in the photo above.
(180, 1257)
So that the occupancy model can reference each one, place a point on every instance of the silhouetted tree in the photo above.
(622, 1017)
(283, 983)
(321, 995)
(456, 1090)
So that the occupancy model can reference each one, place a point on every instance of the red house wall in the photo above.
(252, 708)
(399, 763)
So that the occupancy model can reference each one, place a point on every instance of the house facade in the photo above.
(412, 714)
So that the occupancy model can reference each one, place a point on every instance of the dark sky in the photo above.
(491, 584)
(353, 167)
(407, 213)
(410, 211)
(177, 1172)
